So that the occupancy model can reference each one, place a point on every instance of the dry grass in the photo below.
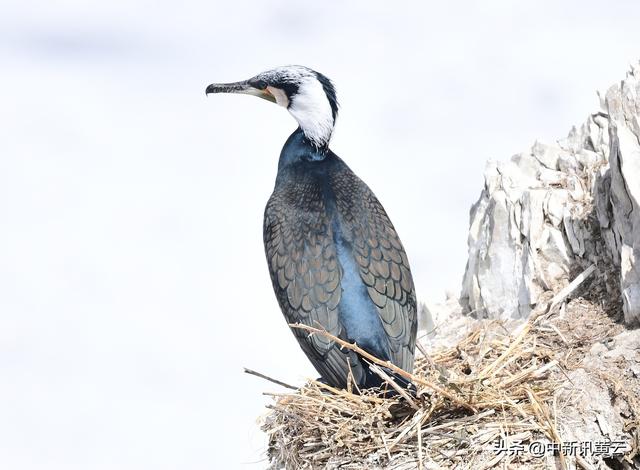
(492, 385)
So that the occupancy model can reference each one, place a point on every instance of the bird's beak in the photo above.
(242, 88)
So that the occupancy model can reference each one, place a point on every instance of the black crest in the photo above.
(330, 91)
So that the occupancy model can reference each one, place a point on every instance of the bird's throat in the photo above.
(315, 119)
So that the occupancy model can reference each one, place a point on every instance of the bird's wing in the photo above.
(382, 262)
(306, 278)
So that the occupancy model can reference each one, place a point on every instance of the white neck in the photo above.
(311, 108)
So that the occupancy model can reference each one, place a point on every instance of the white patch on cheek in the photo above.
(280, 96)
(312, 110)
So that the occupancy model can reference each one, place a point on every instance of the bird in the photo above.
(335, 259)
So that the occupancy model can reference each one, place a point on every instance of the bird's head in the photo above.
(308, 95)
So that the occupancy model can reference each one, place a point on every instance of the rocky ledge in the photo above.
(550, 212)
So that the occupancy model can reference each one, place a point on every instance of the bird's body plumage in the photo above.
(335, 259)
(336, 262)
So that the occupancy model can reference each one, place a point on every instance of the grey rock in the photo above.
(546, 154)
(549, 212)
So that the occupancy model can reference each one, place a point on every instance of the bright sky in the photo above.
(133, 285)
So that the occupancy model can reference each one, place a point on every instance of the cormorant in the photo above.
(335, 259)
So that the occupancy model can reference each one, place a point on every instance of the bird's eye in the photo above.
(259, 84)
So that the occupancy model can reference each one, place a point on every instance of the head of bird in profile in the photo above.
(308, 95)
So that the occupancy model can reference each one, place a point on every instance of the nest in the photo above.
(493, 388)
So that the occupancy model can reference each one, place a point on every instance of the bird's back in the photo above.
(336, 262)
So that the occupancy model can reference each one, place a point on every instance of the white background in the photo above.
(133, 285)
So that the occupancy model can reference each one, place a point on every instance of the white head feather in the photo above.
(310, 105)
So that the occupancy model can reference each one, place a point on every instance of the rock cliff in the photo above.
(553, 210)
